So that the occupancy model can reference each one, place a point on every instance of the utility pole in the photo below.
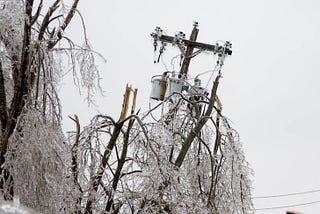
(186, 61)
(190, 45)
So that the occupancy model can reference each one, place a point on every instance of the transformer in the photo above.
(163, 86)
(175, 83)
(158, 87)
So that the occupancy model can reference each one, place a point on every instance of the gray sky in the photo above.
(270, 88)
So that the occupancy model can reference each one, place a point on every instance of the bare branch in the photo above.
(96, 179)
(3, 101)
(65, 24)
(37, 14)
(45, 21)
(199, 125)
(121, 162)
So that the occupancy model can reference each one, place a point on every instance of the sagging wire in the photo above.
(220, 62)
(287, 206)
(216, 68)
(173, 58)
(287, 194)
(205, 72)
(164, 64)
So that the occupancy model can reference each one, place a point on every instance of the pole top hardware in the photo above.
(179, 39)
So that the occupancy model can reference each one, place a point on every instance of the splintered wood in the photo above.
(125, 104)
(218, 101)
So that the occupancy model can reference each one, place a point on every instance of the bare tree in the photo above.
(181, 163)
(188, 161)
(33, 158)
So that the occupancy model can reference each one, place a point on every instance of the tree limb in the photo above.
(45, 21)
(201, 122)
(121, 162)
(37, 14)
(65, 24)
(97, 179)
(75, 148)
(3, 101)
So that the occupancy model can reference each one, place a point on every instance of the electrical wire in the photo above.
(216, 68)
(172, 60)
(287, 206)
(163, 62)
(288, 194)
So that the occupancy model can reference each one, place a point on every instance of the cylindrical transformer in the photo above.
(158, 87)
(174, 84)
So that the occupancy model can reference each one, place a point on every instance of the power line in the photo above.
(287, 206)
(288, 194)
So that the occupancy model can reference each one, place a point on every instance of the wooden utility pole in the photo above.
(191, 44)
(187, 48)
(186, 61)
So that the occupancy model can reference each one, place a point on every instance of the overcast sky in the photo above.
(270, 89)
